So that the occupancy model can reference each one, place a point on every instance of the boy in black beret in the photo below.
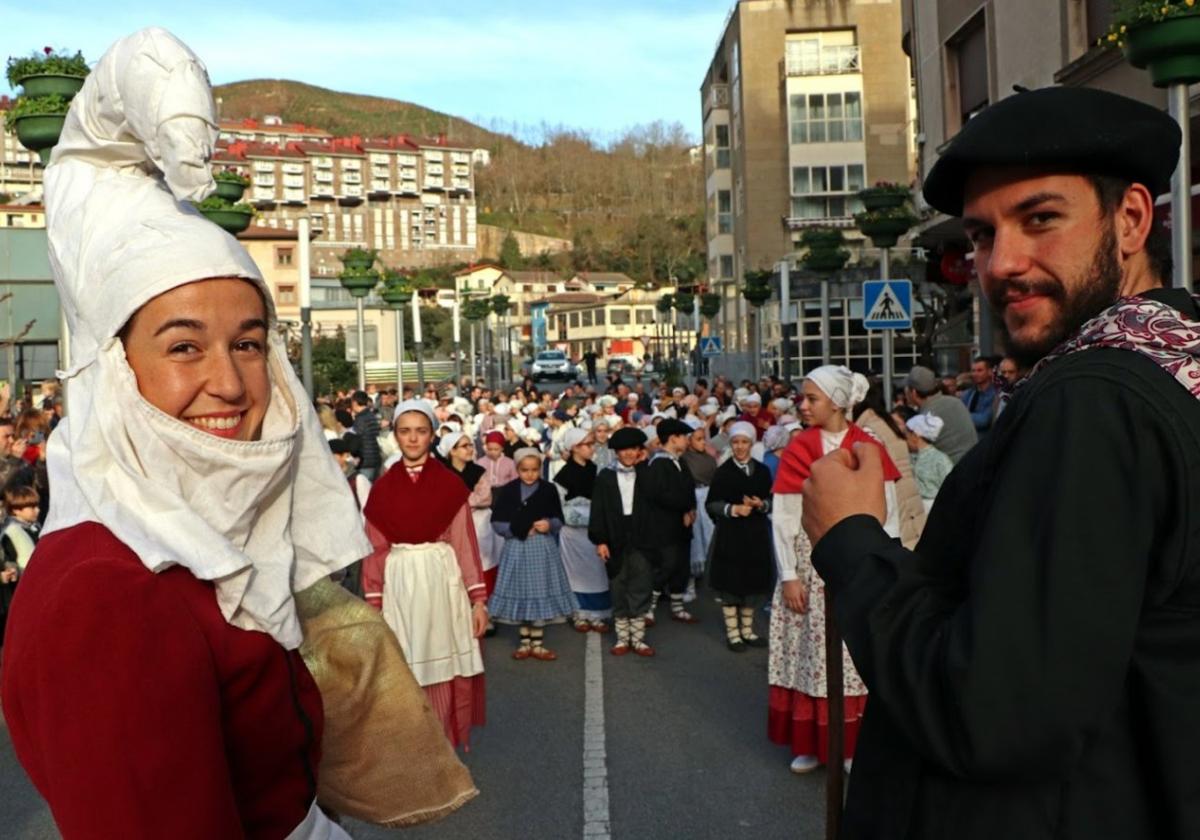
(670, 511)
(1033, 667)
(617, 500)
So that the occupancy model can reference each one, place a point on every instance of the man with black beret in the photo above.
(1034, 666)
(613, 524)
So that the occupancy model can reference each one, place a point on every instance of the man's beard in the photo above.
(1075, 309)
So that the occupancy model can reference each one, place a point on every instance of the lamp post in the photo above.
(418, 346)
(395, 295)
(457, 348)
(306, 371)
(500, 305)
(358, 278)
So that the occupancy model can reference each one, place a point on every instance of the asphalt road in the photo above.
(685, 737)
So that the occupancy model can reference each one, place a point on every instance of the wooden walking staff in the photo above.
(834, 779)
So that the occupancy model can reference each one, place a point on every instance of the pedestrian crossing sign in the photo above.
(887, 305)
(710, 346)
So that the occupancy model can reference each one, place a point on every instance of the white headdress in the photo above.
(926, 426)
(260, 519)
(844, 387)
(743, 429)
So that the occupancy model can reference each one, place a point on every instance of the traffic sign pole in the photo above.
(885, 266)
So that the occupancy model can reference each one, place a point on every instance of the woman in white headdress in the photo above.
(798, 703)
(153, 685)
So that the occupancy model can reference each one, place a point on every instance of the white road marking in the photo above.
(595, 763)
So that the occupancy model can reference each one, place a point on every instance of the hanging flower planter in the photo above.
(884, 195)
(358, 258)
(48, 73)
(684, 302)
(359, 281)
(1169, 49)
(710, 305)
(664, 304)
(226, 215)
(39, 133)
(885, 227)
(826, 260)
(52, 85)
(230, 185)
(396, 296)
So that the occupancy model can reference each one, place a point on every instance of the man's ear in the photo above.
(1134, 219)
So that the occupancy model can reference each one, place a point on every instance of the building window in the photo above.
(574, 316)
(645, 316)
(619, 317)
(826, 117)
(600, 319)
(287, 295)
(859, 349)
(724, 212)
(826, 192)
(726, 266)
(586, 319)
(722, 147)
(283, 256)
(970, 54)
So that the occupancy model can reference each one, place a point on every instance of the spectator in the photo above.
(981, 396)
(366, 426)
(930, 464)
(921, 391)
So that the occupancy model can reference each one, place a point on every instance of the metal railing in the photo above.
(718, 97)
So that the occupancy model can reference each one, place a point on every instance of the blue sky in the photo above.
(599, 66)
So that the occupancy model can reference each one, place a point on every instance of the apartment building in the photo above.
(967, 54)
(620, 323)
(22, 216)
(412, 200)
(803, 104)
(20, 169)
(270, 129)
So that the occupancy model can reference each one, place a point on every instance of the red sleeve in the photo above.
(461, 537)
(119, 715)
(373, 565)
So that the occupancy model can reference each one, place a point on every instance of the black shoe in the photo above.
(757, 641)
(736, 645)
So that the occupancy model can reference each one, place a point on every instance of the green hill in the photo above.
(345, 113)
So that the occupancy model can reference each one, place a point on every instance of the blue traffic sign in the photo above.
(887, 304)
(710, 346)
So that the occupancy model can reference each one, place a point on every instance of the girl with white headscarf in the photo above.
(798, 703)
(585, 570)
(152, 680)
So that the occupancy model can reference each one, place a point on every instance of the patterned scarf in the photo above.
(1144, 326)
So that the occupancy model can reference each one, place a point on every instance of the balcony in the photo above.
(295, 196)
(293, 169)
(800, 223)
(828, 61)
(718, 97)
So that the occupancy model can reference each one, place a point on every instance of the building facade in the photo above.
(803, 105)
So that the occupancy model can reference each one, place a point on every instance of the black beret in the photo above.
(340, 447)
(1077, 130)
(626, 438)
(671, 427)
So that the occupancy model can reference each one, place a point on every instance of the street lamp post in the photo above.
(418, 346)
(306, 371)
(396, 296)
(359, 278)
(457, 347)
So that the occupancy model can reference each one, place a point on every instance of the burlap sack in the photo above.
(385, 757)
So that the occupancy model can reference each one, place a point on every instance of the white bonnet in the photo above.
(844, 387)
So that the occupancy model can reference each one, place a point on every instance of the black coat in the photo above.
(1034, 666)
(741, 553)
(669, 493)
(520, 515)
(607, 523)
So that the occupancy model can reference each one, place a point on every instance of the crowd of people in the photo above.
(595, 506)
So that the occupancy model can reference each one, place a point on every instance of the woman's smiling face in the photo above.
(199, 353)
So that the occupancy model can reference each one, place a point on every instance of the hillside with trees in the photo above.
(633, 204)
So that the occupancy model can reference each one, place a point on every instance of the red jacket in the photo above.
(139, 712)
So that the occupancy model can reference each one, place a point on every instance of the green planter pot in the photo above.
(872, 200)
(234, 221)
(357, 262)
(826, 261)
(231, 191)
(1169, 49)
(822, 238)
(359, 285)
(884, 232)
(756, 295)
(710, 305)
(40, 132)
(395, 297)
(51, 85)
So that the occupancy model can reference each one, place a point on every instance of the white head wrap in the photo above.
(782, 405)
(607, 400)
(260, 519)
(739, 394)
(707, 410)
(776, 437)
(844, 387)
(529, 409)
(571, 438)
(692, 423)
(727, 415)
(526, 452)
(752, 399)
(743, 429)
(419, 406)
(503, 409)
(530, 435)
(712, 401)
(448, 442)
(517, 425)
(926, 426)
(614, 421)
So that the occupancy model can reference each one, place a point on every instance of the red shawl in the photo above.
(407, 511)
(795, 463)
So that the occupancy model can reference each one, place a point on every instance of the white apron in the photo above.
(426, 605)
(585, 570)
(317, 826)
(489, 551)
